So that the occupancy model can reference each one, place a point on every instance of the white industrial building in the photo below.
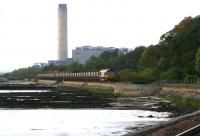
(84, 53)
(65, 62)
(80, 54)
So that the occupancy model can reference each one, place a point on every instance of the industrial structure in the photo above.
(80, 54)
(65, 62)
(63, 59)
(62, 32)
(83, 54)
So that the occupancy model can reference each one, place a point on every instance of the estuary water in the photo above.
(79, 122)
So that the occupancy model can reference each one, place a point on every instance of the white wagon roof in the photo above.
(104, 70)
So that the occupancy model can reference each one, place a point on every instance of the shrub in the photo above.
(172, 73)
(140, 77)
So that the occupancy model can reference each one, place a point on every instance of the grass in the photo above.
(92, 91)
(184, 104)
(101, 91)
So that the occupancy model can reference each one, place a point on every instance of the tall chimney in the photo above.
(62, 32)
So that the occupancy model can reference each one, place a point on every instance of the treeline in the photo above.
(23, 73)
(176, 56)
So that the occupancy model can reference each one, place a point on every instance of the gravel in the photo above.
(178, 127)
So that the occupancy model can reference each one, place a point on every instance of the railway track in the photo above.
(194, 131)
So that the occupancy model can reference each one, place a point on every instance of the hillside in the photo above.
(174, 57)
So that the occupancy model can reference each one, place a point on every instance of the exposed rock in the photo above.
(150, 116)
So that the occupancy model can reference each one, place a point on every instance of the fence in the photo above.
(192, 81)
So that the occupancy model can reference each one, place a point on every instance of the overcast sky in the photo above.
(28, 28)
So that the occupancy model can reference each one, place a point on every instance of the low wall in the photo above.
(136, 90)
(181, 90)
(96, 85)
(46, 82)
(118, 88)
(127, 89)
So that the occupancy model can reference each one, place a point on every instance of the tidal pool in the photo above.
(80, 122)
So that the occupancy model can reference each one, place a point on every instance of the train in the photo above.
(102, 75)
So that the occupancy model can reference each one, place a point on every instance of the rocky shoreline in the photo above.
(77, 95)
(60, 96)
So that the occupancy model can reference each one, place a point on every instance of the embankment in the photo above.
(124, 89)
(181, 91)
(127, 89)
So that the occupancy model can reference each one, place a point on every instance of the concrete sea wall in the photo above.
(181, 90)
(136, 90)
(119, 88)
(125, 89)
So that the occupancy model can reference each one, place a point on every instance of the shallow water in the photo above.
(23, 91)
(64, 122)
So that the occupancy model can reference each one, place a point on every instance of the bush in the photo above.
(190, 78)
(140, 77)
(173, 73)
(23, 73)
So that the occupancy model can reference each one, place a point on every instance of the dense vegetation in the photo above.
(176, 56)
(23, 73)
(184, 105)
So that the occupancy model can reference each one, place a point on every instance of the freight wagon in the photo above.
(102, 75)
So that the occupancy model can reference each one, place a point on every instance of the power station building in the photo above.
(80, 54)
(84, 53)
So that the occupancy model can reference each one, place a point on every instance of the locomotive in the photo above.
(102, 75)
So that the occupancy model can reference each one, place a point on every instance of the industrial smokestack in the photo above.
(62, 32)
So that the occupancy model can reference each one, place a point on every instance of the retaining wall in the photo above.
(181, 90)
(125, 89)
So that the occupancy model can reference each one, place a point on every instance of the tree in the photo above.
(150, 56)
(198, 60)
(74, 67)
(132, 58)
(23, 73)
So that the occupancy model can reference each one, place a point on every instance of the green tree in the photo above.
(198, 60)
(150, 56)
(23, 73)
(132, 58)
(53, 69)
(74, 67)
